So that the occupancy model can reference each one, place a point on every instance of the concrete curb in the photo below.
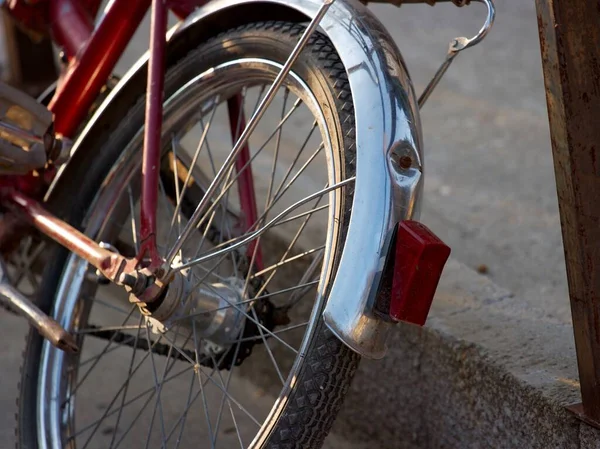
(484, 373)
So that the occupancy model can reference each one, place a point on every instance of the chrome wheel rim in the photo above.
(55, 414)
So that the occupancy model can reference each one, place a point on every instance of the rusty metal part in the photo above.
(11, 298)
(569, 36)
(578, 410)
(110, 264)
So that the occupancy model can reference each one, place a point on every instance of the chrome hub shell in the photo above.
(214, 311)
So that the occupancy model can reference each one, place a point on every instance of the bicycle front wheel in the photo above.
(235, 355)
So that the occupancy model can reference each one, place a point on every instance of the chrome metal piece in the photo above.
(61, 150)
(243, 139)
(46, 326)
(24, 136)
(19, 133)
(220, 323)
(208, 306)
(456, 46)
(231, 245)
(16, 159)
(24, 120)
(387, 123)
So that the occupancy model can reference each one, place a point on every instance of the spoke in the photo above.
(199, 367)
(125, 342)
(152, 391)
(194, 159)
(107, 328)
(299, 294)
(247, 301)
(256, 244)
(202, 394)
(185, 412)
(250, 126)
(183, 415)
(158, 388)
(268, 348)
(225, 190)
(250, 268)
(105, 414)
(124, 397)
(131, 401)
(227, 185)
(210, 221)
(283, 120)
(303, 214)
(295, 161)
(107, 411)
(168, 204)
(183, 354)
(254, 320)
(279, 331)
(230, 398)
(289, 248)
(306, 285)
(176, 185)
(134, 227)
(225, 223)
(82, 380)
(279, 193)
(281, 190)
(24, 263)
(277, 145)
(137, 416)
(235, 355)
(237, 430)
(204, 278)
(288, 260)
(236, 243)
(107, 304)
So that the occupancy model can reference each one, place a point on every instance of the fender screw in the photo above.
(405, 162)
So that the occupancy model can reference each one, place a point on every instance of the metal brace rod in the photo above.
(49, 328)
(456, 46)
(111, 265)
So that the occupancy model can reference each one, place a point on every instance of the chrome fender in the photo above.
(387, 129)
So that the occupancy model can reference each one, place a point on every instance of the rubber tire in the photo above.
(329, 367)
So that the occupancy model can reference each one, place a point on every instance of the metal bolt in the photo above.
(128, 280)
(405, 162)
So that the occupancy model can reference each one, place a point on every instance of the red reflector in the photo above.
(419, 260)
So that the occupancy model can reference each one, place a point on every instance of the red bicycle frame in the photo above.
(92, 53)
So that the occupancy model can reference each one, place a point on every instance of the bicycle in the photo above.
(169, 260)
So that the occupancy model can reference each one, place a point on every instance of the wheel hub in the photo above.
(214, 311)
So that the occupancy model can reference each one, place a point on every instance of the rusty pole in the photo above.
(569, 38)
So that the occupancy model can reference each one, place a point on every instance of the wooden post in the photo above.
(570, 42)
